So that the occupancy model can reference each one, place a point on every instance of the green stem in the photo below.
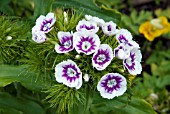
(89, 99)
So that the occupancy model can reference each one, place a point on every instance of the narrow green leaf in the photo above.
(89, 7)
(8, 102)
(42, 7)
(9, 74)
(121, 105)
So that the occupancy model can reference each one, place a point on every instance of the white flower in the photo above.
(66, 40)
(88, 17)
(68, 73)
(122, 51)
(102, 57)
(45, 23)
(112, 85)
(86, 43)
(38, 36)
(125, 37)
(109, 28)
(86, 77)
(97, 20)
(87, 26)
(132, 63)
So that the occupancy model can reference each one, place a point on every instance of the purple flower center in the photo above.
(101, 57)
(86, 44)
(67, 43)
(46, 25)
(109, 28)
(70, 72)
(111, 83)
(87, 27)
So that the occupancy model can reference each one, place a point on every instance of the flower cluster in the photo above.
(43, 25)
(85, 40)
(155, 28)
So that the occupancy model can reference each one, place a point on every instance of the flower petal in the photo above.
(111, 85)
(68, 73)
(133, 68)
(109, 28)
(66, 40)
(97, 20)
(102, 57)
(123, 36)
(122, 51)
(133, 62)
(87, 26)
(45, 23)
(86, 43)
(38, 36)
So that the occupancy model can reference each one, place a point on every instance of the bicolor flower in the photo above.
(68, 73)
(86, 43)
(66, 41)
(132, 63)
(109, 28)
(45, 23)
(97, 20)
(122, 51)
(102, 57)
(112, 85)
(38, 36)
(125, 37)
(87, 26)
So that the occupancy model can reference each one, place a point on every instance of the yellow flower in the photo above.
(155, 27)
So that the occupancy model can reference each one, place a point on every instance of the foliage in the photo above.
(17, 7)
(133, 21)
(12, 105)
(153, 87)
(32, 65)
(89, 8)
(12, 39)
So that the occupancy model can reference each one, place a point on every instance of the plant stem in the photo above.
(89, 99)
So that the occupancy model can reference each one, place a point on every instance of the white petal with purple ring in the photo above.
(68, 73)
(86, 43)
(38, 36)
(122, 51)
(45, 23)
(132, 63)
(66, 41)
(87, 26)
(123, 36)
(109, 28)
(112, 85)
(102, 57)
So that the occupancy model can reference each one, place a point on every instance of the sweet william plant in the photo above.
(94, 50)
(79, 64)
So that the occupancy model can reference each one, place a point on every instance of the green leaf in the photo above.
(121, 105)
(4, 7)
(9, 74)
(163, 81)
(42, 7)
(9, 103)
(89, 7)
